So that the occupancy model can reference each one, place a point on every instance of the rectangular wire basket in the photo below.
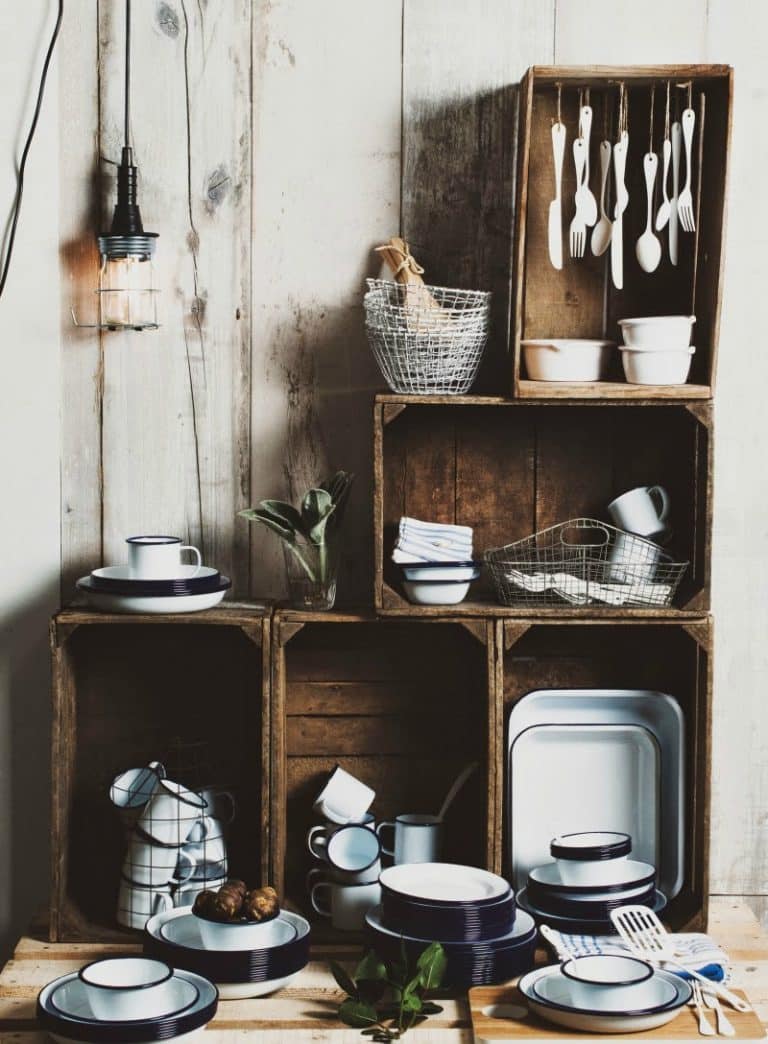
(426, 339)
(584, 562)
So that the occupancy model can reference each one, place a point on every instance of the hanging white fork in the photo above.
(648, 939)
(578, 230)
(685, 202)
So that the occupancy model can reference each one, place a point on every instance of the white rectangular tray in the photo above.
(656, 712)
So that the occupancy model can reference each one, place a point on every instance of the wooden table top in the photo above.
(306, 1010)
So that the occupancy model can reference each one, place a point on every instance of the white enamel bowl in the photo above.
(657, 365)
(599, 980)
(657, 331)
(431, 592)
(567, 359)
(244, 935)
(120, 989)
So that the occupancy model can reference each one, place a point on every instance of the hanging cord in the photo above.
(650, 131)
(666, 115)
(6, 262)
(126, 134)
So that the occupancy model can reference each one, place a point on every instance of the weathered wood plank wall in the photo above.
(273, 138)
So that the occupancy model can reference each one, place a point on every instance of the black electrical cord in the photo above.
(6, 264)
(127, 133)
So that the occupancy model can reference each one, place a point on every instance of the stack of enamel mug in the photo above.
(130, 998)
(175, 849)
(344, 884)
(657, 349)
(591, 876)
(436, 561)
(470, 911)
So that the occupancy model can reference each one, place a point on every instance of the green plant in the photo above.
(386, 998)
(316, 522)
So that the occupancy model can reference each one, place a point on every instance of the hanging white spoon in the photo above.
(648, 246)
(601, 233)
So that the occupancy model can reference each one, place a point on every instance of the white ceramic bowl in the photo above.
(592, 857)
(657, 365)
(127, 988)
(658, 331)
(244, 935)
(567, 359)
(448, 592)
(608, 981)
(445, 572)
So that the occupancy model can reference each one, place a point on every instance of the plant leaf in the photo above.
(282, 511)
(411, 1001)
(343, 979)
(371, 967)
(430, 1008)
(431, 966)
(283, 531)
(357, 1013)
(315, 505)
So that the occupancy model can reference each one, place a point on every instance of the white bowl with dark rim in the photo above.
(120, 989)
(590, 857)
(608, 981)
(243, 935)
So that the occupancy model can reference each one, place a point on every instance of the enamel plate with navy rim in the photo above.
(191, 580)
(444, 883)
(149, 603)
(632, 875)
(64, 1012)
(570, 924)
(458, 923)
(174, 936)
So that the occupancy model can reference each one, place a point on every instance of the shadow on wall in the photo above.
(25, 817)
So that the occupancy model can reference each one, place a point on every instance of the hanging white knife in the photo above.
(673, 215)
(556, 206)
(622, 199)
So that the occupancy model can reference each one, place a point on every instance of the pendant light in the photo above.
(127, 295)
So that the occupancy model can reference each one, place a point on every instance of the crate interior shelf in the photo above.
(664, 657)
(510, 469)
(404, 706)
(188, 690)
(580, 299)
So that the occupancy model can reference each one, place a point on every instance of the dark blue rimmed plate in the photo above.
(636, 875)
(117, 580)
(452, 924)
(567, 906)
(444, 885)
(63, 1010)
(183, 949)
(569, 925)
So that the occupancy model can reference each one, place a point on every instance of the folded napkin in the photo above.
(580, 592)
(431, 542)
(694, 948)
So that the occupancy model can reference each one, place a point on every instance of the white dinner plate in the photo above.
(632, 878)
(657, 712)
(558, 1008)
(444, 883)
(571, 925)
(124, 572)
(113, 603)
(520, 932)
(70, 998)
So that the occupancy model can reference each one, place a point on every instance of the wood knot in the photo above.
(168, 20)
(217, 188)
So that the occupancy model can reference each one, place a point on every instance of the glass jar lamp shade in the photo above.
(127, 294)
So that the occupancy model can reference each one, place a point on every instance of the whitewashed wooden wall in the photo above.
(271, 137)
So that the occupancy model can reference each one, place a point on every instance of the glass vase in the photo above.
(311, 573)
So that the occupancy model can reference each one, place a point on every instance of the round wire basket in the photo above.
(427, 340)
(584, 562)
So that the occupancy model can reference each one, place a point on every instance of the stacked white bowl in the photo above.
(657, 349)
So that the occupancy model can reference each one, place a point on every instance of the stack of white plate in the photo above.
(114, 589)
(471, 912)
(174, 936)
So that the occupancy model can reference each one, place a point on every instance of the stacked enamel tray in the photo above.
(471, 912)
(174, 937)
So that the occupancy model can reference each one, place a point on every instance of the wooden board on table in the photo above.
(522, 1024)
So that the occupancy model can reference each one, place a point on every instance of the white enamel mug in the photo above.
(137, 903)
(643, 511)
(186, 894)
(147, 863)
(221, 802)
(319, 835)
(416, 838)
(134, 787)
(207, 846)
(345, 904)
(158, 557)
(171, 812)
(343, 799)
(633, 560)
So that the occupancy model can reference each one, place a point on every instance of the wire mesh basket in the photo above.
(426, 339)
(584, 562)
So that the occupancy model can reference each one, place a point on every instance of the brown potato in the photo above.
(261, 904)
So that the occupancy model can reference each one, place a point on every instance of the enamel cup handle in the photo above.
(659, 494)
(181, 876)
(314, 897)
(316, 842)
(196, 553)
(381, 827)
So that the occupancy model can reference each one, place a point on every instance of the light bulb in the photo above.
(127, 293)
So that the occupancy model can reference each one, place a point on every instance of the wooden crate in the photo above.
(511, 468)
(403, 705)
(660, 655)
(127, 690)
(579, 300)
